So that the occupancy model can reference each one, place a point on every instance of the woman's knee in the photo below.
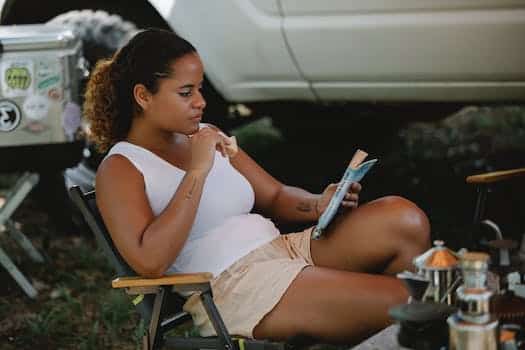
(408, 220)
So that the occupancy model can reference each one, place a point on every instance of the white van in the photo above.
(330, 50)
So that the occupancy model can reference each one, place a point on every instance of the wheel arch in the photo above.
(143, 14)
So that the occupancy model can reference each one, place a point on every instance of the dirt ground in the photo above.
(426, 162)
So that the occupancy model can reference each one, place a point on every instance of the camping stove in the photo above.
(473, 327)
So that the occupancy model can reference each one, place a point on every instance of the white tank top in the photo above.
(223, 230)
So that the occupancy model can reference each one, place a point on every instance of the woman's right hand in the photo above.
(203, 145)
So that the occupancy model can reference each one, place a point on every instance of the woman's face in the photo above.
(178, 104)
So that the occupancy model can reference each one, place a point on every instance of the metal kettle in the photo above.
(437, 275)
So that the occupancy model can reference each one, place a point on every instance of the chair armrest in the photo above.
(495, 176)
(169, 280)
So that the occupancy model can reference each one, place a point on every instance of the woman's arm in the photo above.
(274, 199)
(149, 244)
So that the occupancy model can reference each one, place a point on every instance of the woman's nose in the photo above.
(199, 101)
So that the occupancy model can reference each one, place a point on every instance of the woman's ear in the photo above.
(141, 95)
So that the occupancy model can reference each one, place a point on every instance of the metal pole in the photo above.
(216, 320)
(17, 275)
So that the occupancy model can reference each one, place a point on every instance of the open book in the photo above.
(355, 172)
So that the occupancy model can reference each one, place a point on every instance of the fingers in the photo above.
(221, 147)
(222, 144)
(229, 145)
(352, 197)
(349, 204)
(355, 187)
(232, 148)
(351, 200)
(224, 137)
(206, 133)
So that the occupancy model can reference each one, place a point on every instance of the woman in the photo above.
(173, 203)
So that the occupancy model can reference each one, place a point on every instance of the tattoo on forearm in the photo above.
(304, 207)
(190, 193)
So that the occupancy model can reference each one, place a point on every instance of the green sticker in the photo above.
(18, 78)
(44, 84)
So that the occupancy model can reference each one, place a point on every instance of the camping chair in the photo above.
(158, 300)
(14, 198)
(484, 184)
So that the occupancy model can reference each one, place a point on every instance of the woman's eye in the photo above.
(185, 93)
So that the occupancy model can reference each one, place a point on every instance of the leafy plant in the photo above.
(139, 332)
(258, 135)
(115, 311)
(91, 341)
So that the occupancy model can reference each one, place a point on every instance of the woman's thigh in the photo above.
(332, 305)
(387, 231)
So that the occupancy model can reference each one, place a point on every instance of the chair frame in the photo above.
(155, 310)
(15, 196)
(483, 183)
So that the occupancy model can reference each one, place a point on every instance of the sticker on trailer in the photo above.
(47, 68)
(49, 78)
(17, 78)
(36, 107)
(49, 82)
(71, 120)
(55, 94)
(35, 127)
(9, 116)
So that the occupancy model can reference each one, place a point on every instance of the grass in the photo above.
(426, 162)
(76, 307)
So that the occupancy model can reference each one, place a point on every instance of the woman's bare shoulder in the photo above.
(117, 170)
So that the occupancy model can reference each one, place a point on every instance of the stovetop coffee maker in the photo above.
(473, 327)
(436, 277)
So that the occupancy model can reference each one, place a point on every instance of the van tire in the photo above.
(102, 33)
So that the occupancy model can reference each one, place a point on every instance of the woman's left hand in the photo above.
(350, 200)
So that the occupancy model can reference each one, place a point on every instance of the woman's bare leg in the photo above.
(381, 236)
(333, 305)
(340, 300)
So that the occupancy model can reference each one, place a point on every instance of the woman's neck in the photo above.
(153, 139)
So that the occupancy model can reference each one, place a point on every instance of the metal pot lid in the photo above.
(421, 312)
(438, 257)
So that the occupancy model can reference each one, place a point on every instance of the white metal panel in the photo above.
(336, 7)
(441, 45)
(269, 7)
(345, 52)
(242, 46)
(478, 45)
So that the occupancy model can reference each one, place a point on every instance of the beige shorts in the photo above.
(251, 287)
